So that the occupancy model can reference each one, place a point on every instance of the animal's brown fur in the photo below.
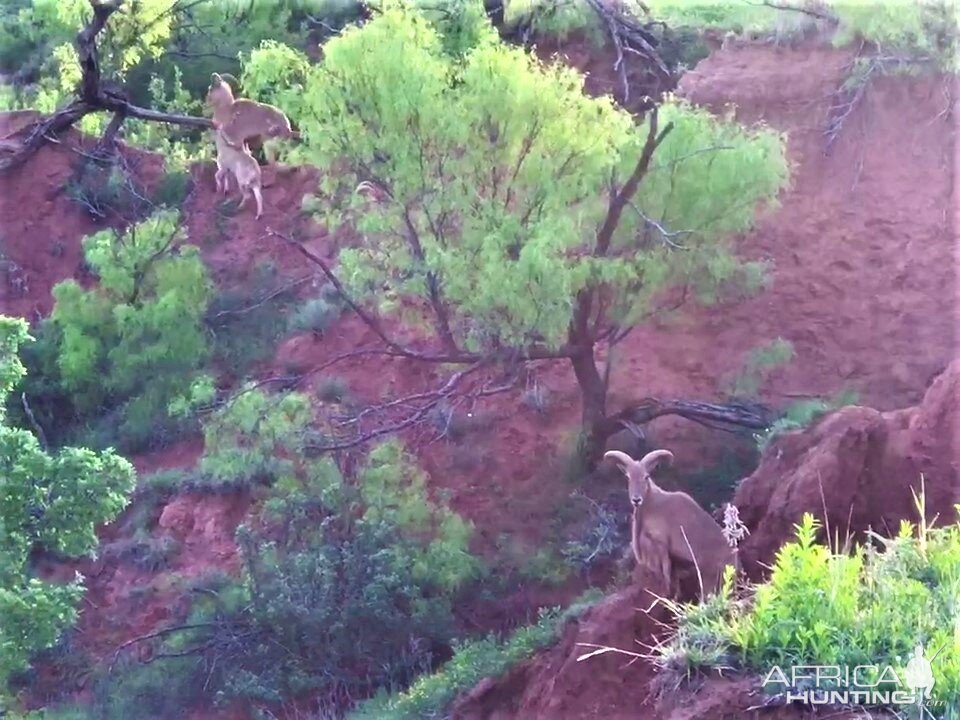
(244, 121)
(670, 528)
(243, 166)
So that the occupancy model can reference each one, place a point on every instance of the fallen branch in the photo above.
(628, 35)
(728, 417)
(848, 100)
(819, 14)
(409, 411)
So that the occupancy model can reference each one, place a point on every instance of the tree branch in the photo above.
(820, 15)
(580, 331)
(93, 97)
(372, 322)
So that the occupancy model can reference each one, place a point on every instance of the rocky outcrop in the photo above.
(856, 468)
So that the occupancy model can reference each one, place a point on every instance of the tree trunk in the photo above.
(593, 398)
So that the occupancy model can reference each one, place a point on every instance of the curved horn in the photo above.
(230, 79)
(651, 459)
(620, 457)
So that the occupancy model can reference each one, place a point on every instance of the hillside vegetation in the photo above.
(478, 215)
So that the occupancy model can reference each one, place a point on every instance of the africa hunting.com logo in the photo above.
(860, 685)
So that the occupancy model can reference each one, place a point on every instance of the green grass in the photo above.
(472, 661)
(918, 30)
(828, 607)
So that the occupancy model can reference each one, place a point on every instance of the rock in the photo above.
(860, 466)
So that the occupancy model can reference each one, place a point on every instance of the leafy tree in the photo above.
(521, 217)
(47, 501)
(135, 343)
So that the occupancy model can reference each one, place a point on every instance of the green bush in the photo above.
(346, 586)
(827, 607)
(556, 18)
(316, 316)
(52, 502)
(760, 362)
(160, 689)
(333, 389)
(802, 414)
(247, 323)
(130, 349)
(254, 438)
(715, 484)
(172, 189)
(472, 661)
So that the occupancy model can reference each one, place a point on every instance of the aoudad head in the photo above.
(220, 90)
(638, 472)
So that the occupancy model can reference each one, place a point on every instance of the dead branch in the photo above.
(847, 100)
(812, 12)
(720, 416)
(288, 287)
(93, 96)
(31, 418)
(629, 35)
(461, 391)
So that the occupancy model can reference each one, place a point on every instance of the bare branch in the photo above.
(38, 429)
(667, 235)
(279, 291)
(431, 400)
(629, 35)
(819, 14)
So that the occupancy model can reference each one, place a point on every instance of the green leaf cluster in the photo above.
(135, 342)
(255, 437)
(824, 606)
(49, 501)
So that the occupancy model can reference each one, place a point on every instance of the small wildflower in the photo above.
(733, 529)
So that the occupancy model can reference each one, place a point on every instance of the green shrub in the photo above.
(247, 323)
(333, 389)
(829, 608)
(149, 554)
(761, 361)
(160, 689)
(715, 484)
(172, 189)
(472, 661)
(130, 349)
(316, 316)
(346, 587)
(556, 18)
(802, 414)
(255, 437)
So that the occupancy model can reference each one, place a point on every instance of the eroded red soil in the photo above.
(863, 284)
